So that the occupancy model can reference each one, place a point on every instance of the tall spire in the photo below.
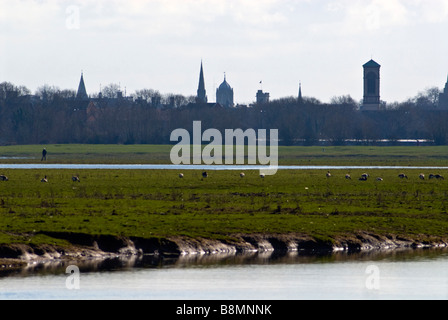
(445, 90)
(82, 93)
(202, 96)
(300, 91)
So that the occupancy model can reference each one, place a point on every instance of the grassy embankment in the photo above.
(159, 204)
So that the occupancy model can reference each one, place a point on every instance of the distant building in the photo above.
(443, 98)
(224, 94)
(371, 101)
(262, 97)
(300, 93)
(201, 93)
(82, 92)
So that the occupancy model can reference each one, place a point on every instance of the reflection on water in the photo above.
(402, 274)
(122, 263)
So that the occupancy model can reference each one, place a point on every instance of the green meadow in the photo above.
(157, 203)
(296, 155)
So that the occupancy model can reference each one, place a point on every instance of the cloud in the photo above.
(28, 15)
(434, 11)
(163, 40)
(359, 16)
(179, 17)
(379, 14)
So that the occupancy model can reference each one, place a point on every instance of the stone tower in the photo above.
(262, 97)
(201, 94)
(371, 101)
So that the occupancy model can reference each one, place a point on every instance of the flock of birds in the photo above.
(44, 179)
(365, 176)
(76, 178)
(205, 175)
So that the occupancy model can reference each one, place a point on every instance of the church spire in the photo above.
(201, 96)
(82, 93)
(300, 92)
(445, 90)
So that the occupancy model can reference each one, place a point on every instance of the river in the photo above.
(410, 275)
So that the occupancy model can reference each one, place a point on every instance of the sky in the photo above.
(271, 45)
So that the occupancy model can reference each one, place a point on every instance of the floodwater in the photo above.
(410, 275)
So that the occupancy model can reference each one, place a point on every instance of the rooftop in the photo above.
(371, 64)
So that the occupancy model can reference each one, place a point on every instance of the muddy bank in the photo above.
(84, 246)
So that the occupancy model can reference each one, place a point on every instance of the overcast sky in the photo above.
(159, 44)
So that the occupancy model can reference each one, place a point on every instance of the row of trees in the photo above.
(54, 116)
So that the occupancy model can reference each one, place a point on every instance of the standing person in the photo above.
(44, 155)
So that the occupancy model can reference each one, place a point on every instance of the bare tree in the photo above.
(9, 90)
(428, 99)
(145, 94)
(47, 92)
(111, 90)
(346, 100)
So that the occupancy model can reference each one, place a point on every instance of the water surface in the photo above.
(421, 274)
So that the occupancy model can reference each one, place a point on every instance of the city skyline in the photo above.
(158, 45)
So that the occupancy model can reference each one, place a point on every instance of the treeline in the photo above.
(55, 116)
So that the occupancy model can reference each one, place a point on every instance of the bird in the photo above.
(347, 176)
(261, 175)
(75, 178)
(181, 175)
(364, 177)
(242, 174)
(204, 174)
(328, 174)
(44, 179)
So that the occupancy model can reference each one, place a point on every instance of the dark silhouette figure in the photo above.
(44, 155)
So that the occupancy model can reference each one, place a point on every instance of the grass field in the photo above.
(157, 203)
(160, 154)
